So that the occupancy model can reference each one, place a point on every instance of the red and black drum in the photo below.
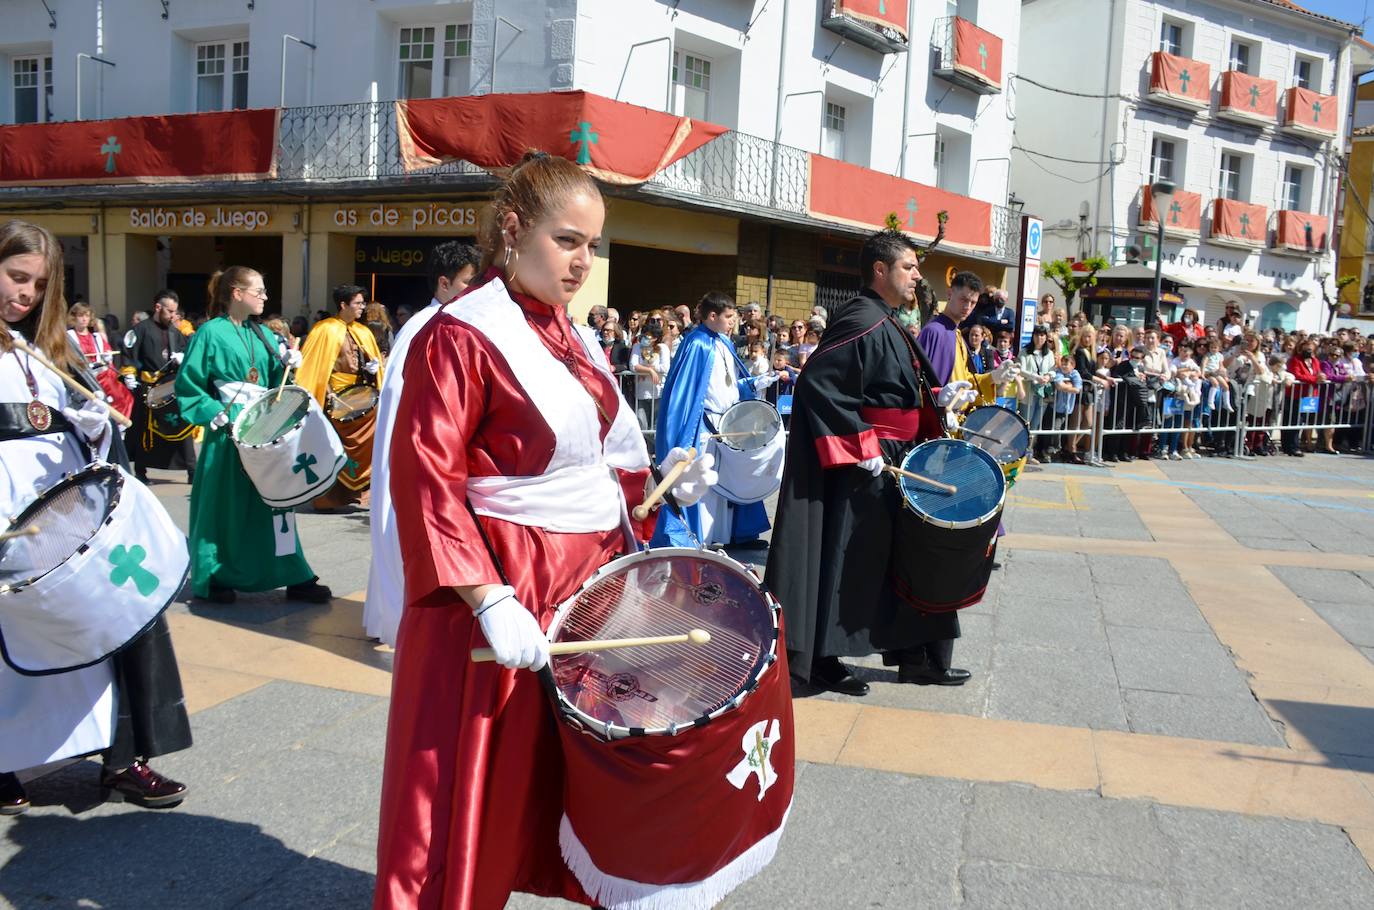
(679, 757)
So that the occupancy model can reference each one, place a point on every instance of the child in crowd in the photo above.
(1067, 387)
(758, 360)
(1188, 395)
(1215, 372)
(812, 339)
(1000, 355)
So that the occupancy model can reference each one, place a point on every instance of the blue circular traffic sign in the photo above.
(1033, 241)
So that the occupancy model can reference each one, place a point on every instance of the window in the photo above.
(1232, 170)
(1171, 36)
(939, 157)
(1307, 73)
(417, 63)
(833, 133)
(428, 67)
(457, 57)
(1240, 57)
(216, 89)
(953, 151)
(32, 89)
(692, 75)
(1294, 183)
(1162, 160)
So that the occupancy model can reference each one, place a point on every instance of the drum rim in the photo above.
(605, 731)
(164, 402)
(67, 480)
(994, 513)
(238, 421)
(376, 398)
(777, 416)
(1013, 413)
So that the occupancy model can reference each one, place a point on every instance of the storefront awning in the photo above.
(1225, 286)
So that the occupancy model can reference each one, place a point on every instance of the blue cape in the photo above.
(680, 412)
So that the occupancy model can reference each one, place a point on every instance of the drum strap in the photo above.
(14, 422)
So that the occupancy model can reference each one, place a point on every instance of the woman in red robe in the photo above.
(90, 340)
(507, 479)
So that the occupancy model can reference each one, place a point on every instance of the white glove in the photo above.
(699, 477)
(764, 381)
(1006, 373)
(512, 631)
(130, 381)
(872, 465)
(372, 367)
(294, 359)
(178, 357)
(91, 420)
(952, 420)
(219, 420)
(951, 392)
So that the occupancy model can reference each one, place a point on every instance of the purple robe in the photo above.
(939, 340)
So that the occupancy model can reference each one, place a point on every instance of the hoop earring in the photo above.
(507, 267)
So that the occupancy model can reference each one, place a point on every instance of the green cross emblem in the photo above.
(110, 149)
(1185, 77)
(585, 139)
(1244, 224)
(1175, 210)
(1316, 112)
(303, 463)
(882, 7)
(351, 468)
(911, 209)
(1254, 96)
(128, 565)
(983, 55)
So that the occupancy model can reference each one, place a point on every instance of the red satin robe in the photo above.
(472, 791)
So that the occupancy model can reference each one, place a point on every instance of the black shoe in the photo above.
(13, 799)
(142, 476)
(221, 595)
(828, 673)
(190, 476)
(311, 592)
(923, 675)
(142, 786)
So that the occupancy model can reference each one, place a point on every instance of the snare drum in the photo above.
(354, 402)
(999, 431)
(679, 757)
(162, 394)
(942, 545)
(105, 562)
(288, 448)
(749, 447)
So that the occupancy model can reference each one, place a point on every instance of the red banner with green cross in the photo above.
(1180, 77)
(882, 13)
(1240, 222)
(977, 52)
(1310, 110)
(1182, 213)
(853, 195)
(1249, 95)
(222, 145)
(1302, 231)
(614, 141)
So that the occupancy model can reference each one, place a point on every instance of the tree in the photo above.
(1333, 305)
(1072, 280)
(925, 294)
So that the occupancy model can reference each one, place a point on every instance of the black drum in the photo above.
(943, 543)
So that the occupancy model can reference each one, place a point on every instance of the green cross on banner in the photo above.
(127, 565)
(1185, 78)
(110, 149)
(911, 208)
(882, 8)
(585, 139)
(1254, 96)
(1244, 224)
(1175, 210)
(303, 463)
(1316, 112)
(351, 468)
(983, 56)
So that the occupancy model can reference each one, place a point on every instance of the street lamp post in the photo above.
(1161, 191)
(281, 101)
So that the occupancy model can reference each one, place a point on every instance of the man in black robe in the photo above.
(866, 395)
(153, 349)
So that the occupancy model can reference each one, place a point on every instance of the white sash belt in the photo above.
(577, 499)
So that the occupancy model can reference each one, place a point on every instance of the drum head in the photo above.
(162, 394)
(268, 419)
(750, 424)
(353, 402)
(658, 689)
(1010, 436)
(981, 486)
(67, 516)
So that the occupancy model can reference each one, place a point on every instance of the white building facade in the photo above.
(1242, 104)
(787, 77)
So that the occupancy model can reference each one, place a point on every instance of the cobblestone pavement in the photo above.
(1171, 707)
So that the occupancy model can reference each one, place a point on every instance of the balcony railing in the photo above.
(737, 169)
(968, 56)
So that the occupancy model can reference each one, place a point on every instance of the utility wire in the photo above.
(1063, 91)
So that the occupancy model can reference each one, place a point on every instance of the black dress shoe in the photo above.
(829, 673)
(312, 592)
(923, 675)
(141, 785)
(219, 594)
(13, 799)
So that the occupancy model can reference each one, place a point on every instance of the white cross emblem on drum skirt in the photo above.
(758, 748)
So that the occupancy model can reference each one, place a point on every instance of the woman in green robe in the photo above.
(238, 543)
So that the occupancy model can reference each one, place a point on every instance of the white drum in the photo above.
(749, 447)
(84, 569)
(288, 448)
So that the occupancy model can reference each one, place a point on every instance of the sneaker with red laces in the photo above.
(141, 785)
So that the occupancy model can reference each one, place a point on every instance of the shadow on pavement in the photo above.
(1334, 730)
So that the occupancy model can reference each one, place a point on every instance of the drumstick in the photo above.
(281, 388)
(30, 531)
(694, 637)
(736, 433)
(641, 511)
(72, 383)
(920, 478)
(969, 432)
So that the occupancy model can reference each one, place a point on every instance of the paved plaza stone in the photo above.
(1172, 706)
